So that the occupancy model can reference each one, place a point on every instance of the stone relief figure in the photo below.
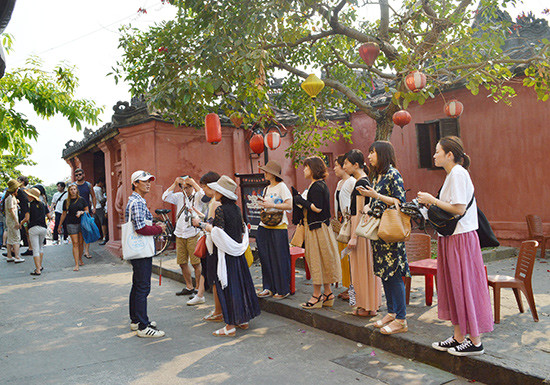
(119, 199)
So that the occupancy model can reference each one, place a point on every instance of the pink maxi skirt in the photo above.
(462, 290)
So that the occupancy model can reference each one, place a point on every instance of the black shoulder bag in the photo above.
(444, 222)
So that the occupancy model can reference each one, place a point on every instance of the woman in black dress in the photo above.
(73, 208)
(233, 281)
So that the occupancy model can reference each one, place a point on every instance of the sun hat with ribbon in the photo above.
(225, 186)
(33, 192)
(273, 168)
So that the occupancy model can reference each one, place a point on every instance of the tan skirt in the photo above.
(322, 255)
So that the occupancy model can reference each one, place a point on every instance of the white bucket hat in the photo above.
(225, 186)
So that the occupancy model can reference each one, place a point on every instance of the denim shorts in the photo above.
(73, 228)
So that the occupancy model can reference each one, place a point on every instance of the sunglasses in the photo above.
(79, 174)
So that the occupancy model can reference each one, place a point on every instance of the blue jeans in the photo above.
(141, 287)
(394, 288)
(1, 231)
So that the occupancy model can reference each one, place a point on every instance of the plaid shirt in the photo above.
(140, 212)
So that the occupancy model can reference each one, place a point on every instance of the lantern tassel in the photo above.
(314, 113)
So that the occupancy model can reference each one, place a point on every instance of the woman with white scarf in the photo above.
(234, 284)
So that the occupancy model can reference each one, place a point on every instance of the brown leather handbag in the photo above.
(395, 226)
(200, 248)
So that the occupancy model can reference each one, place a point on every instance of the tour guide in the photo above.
(141, 280)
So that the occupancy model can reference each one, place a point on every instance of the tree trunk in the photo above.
(384, 128)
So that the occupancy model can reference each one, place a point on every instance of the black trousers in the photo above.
(55, 233)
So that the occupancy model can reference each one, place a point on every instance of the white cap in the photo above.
(141, 175)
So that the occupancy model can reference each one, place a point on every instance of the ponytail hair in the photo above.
(454, 145)
(356, 156)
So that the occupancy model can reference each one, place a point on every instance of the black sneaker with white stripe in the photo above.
(150, 332)
(443, 346)
(467, 348)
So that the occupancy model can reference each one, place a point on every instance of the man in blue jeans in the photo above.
(141, 279)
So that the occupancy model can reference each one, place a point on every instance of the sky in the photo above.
(85, 34)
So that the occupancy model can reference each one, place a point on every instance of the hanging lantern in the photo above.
(415, 81)
(236, 119)
(453, 108)
(401, 118)
(213, 128)
(313, 85)
(257, 143)
(272, 140)
(369, 52)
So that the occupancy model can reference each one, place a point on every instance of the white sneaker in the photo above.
(150, 332)
(18, 260)
(135, 326)
(196, 300)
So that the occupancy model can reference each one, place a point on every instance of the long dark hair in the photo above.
(454, 144)
(386, 158)
(356, 156)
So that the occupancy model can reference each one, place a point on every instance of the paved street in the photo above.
(70, 327)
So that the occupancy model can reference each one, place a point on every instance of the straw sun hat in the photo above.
(273, 168)
(225, 186)
(13, 185)
(33, 192)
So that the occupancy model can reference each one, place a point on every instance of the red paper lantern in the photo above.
(257, 143)
(401, 118)
(236, 119)
(369, 52)
(453, 108)
(213, 128)
(272, 140)
(415, 81)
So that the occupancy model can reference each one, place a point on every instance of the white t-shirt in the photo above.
(99, 197)
(58, 199)
(344, 197)
(184, 228)
(278, 194)
(459, 189)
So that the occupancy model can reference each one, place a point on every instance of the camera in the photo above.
(184, 177)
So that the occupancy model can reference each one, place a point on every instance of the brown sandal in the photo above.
(213, 317)
(394, 327)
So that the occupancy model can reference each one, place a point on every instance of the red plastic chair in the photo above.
(295, 253)
(418, 249)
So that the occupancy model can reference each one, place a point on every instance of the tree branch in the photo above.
(384, 20)
(304, 39)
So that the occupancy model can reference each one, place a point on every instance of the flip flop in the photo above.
(88, 256)
(35, 273)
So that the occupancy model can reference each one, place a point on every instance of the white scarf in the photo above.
(227, 245)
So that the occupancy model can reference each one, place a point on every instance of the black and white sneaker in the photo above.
(135, 326)
(443, 346)
(467, 348)
(150, 332)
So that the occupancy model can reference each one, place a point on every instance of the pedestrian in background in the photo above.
(342, 203)
(57, 202)
(390, 259)
(13, 239)
(272, 240)
(141, 217)
(100, 215)
(366, 285)
(321, 250)
(2, 219)
(462, 291)
(36, 220)
(23, 210)
(234, 285)
(73, 208)
(86, 191)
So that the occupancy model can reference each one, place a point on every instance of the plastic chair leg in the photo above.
(496, 291)
(528, 290)
(292, 275)
(543, 248)
(407, 281)
(429, 282)
(517, 293)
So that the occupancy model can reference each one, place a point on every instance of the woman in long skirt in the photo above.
(272, 240)
(234, 284)
(462, 291)
(366, 285)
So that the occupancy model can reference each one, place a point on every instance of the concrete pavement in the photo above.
(68, 327)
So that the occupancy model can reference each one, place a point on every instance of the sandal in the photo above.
(223, 332)
(343, 295)
(87, 256)
(394, 327)
(314, 305)
(386, 320)
(280, 296)
(360, 312)
(265, 293)
(243, 326)
(329, 300)
(213, 317)
(35, 273)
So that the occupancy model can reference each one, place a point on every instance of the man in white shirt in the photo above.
(186, 201)
(57, 202)
(99, 216)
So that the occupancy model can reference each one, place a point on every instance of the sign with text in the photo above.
(252, 186)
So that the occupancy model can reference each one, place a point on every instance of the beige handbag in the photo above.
(299, 236)
(394, 225)
(345, 231)
(368, 227)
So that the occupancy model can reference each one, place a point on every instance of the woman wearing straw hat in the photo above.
(234, 284)
(37, 227)
(272, 238)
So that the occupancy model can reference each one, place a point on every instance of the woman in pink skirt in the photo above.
(462, 291)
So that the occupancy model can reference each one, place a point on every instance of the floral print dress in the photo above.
(390, 258)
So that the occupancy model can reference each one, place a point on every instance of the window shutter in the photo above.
(449, 127)
(424, 145)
